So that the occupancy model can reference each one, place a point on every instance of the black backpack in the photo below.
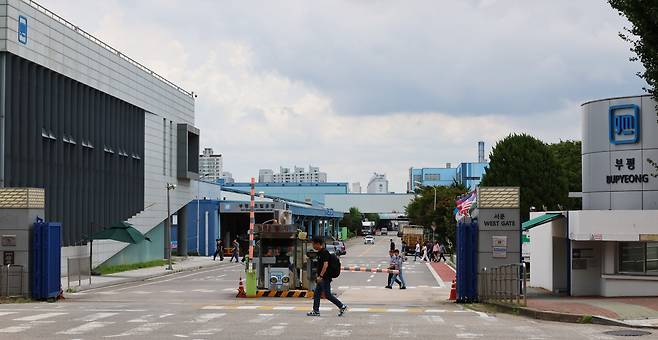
(333, 270)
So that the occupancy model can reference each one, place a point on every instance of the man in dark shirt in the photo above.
(323, 281)
(392, 246)
(219, 250)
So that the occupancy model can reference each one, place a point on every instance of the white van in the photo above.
(384, 231)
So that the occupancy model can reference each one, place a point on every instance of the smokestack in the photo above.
(480, 152)
(448, 165)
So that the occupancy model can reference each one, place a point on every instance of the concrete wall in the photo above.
(369, 203)
(587, 281)
(612, 225)
(541, 256)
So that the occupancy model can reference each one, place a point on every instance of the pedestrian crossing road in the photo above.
(247, 321)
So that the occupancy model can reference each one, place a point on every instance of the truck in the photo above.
(412, 234)
(367, 227)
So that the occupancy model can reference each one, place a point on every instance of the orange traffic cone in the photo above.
(241, 291)
(453, 291)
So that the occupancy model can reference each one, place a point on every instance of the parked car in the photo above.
(342, 248)
(332, 249)
(369, 239)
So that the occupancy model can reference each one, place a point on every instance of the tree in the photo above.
(352, 220)
(643, 36)
(568, 156)
(421, 210)
(526, 162)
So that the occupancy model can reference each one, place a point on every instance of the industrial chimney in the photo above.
(481, 152)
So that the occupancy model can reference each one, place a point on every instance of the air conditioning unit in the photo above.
(283, 216)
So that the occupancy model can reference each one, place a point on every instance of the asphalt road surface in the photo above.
(202, 305)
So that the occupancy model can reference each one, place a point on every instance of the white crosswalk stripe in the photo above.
(96, 316)
(203, 318)
(141, 330)
(85, 328)
(37, 317)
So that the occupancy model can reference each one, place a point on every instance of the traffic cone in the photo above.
(241, 291)
(453, 291)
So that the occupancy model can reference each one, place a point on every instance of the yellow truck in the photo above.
(412, 234)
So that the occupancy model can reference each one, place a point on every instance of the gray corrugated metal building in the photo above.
(100, 132)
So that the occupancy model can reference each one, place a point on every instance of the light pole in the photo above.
(198, 217)
(169, 187)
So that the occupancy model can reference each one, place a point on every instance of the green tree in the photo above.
(643, 36)
(526, 162)
(568, 156)
(421, 210)
(352, 220)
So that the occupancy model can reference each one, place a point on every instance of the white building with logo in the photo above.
(610, 248)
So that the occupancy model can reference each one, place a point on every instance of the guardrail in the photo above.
(506, 284)
(80, 31)
(78, 269)
(11, 281)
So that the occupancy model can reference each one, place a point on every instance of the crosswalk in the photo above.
(213, 321)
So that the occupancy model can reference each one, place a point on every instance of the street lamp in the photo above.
(425, 186)
(198, 229)
(169, 187)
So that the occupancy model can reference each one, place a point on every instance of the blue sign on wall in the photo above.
(624, 124)
(22, 29)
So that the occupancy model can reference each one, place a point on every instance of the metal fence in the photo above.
(78, 269)
(11, 281)
(506, 284)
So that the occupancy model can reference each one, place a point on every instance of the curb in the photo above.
(564, 317)
(144, 278)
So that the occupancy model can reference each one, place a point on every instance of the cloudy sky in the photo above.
(362, 86)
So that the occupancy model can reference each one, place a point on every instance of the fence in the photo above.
(78, 269)
(11, 281)
(506, 284)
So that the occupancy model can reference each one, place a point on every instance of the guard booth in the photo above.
(280, 257)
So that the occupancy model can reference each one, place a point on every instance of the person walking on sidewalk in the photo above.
(392, 246)
(442, 251)
(426, 254)
(328, 269)
(417, 252)
(236, 251)
(219, 250)
(435, 251)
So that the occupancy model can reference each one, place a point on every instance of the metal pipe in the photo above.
(3, 76)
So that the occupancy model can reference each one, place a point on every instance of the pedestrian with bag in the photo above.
(219, 250)
(391, 266)
(328, 269)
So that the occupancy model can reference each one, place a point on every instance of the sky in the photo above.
(364, 86)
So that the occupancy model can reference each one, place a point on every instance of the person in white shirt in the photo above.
(417, 253)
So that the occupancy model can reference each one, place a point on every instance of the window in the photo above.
(432, 177)
(638, 257)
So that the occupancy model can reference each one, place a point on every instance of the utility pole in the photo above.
(169, 187)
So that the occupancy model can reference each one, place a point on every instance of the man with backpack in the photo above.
(328, 269)
(219, 250)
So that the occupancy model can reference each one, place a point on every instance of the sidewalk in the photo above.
(181, 264)
(444, 271)
(637, 311)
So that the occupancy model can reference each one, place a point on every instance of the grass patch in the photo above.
(105, 270)
(19, 299)
(585, 319)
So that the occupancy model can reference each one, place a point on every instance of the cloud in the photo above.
(358, 87)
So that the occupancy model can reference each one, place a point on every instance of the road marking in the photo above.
(143, 318)
(171, 291)
(435, 311)
(203, 318)
(6, 313)
(229, 289)
(284, 308)
(213, 307)
(397, 310)
(262, 318)
(208, 331)
(88, 327)
(205, 290)
(17, 328)
(272, 331)
(248, 307)
(39, 316)
(338, 333)
(141, 330)
(356, 309)
(141, 292)
(165, 315)
(402, 332)
(468, 336)
(96, 316)
(485, 316)
(108, 293)
(435, 319)
(180, 336)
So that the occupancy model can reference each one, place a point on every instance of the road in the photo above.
(202, 305)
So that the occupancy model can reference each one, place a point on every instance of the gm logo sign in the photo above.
(22, 29)
(624, 124)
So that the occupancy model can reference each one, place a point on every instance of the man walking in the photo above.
(442, 251)
(397, 261)
(236, 251)
(392, 264)
(392, 246)
(435, 251)
(323, 281)
(417, 252)
(219, 250)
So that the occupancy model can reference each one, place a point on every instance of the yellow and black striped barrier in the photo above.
(298, 293)
(369, 270)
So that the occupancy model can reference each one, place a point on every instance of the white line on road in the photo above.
(248, 307)
(203, 318)
(338, 333)
(6, 313)
(213, 307)
(397, 310)
(435, 319)
(96, 316)
(283, 308)
(272, 331)
(88, 327)
(141, 330)
(485, 316)
(356, 309)
(39, 316)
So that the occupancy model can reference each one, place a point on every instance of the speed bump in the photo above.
(284, 293)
